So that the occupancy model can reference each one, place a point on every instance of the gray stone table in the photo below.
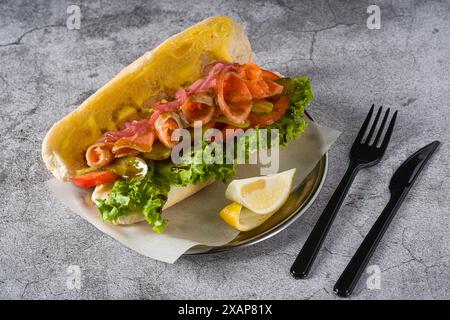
(47, 69)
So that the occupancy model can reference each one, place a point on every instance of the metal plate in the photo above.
(298, 202)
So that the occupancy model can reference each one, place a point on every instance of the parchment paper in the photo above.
(195, 221)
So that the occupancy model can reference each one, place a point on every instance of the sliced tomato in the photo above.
(92, 179)
(279, 108)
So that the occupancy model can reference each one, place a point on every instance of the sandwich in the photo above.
(120, 140)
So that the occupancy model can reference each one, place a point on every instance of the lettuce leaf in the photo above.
(148, 195)
(292, 124)
(301, 97)
(194, 169)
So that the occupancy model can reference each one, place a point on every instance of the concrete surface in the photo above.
(46, 70)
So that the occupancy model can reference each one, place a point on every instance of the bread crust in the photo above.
(64, 145)
(217, 37)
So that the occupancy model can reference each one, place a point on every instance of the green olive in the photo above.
(159, 152)
(85, 171)
(223, 119)
(262, 107)
(288, 84)
(129, 167)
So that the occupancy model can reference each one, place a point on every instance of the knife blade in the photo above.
(409, 170)
(401, 183)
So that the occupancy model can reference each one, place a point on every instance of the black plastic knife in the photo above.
(401, 182)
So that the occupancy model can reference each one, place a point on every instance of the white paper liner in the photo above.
(195, 221)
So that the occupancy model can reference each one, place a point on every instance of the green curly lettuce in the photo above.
(292, 124)
(148, 195)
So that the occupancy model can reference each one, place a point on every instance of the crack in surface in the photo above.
(414, 258)
(335, 253)
(137, 14)
(357, 229)
(340, 24)
(317, 31)
(407, 249)
(26, 287)
(313, 294)
(408, 37)
(398, 265)
(18, 41)
(332, 11)
(4, 80)
(311, 49)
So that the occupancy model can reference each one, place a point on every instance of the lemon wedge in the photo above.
(242, 219)
(262, 195)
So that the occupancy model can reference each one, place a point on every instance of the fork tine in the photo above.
(364, 126)
(380, 131)
(389, 130)
(374, 125)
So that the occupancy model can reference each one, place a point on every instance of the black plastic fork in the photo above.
(362, 155)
